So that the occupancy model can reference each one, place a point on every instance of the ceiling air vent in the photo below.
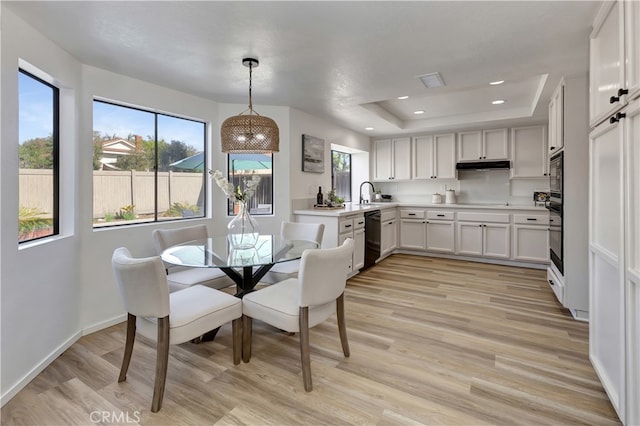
(432, 80)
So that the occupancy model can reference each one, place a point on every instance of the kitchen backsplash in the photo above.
(487, 186)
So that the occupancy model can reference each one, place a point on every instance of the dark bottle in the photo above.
(319, 200)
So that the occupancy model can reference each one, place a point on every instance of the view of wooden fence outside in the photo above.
(115, 190)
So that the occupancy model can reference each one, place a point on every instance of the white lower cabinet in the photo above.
(484, 239)
(531, 238)
(358, 250)
(388, 233)
(441, 236)
(413, 231)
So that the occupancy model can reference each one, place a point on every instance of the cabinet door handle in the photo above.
(480, 225)
(531, 218)
(623, 92)
(424, 222)
(550, 282)
(412, 214)
(390, 223)
(614, 99)
(617, 117)
(347, 226)
(552, 148)
(360, 223)
(440, 215)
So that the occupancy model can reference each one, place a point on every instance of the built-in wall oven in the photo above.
(556, 187)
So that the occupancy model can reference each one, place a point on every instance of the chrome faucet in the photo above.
(372, 188)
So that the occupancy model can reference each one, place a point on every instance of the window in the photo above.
(341, 174)
(38, 117)
(241, 169)
(147, 166)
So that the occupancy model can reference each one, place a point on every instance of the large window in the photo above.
(242, 167)
(38, 117)
(146, 166)
(341, 174)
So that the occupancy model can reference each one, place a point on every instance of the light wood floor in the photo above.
(433, 341)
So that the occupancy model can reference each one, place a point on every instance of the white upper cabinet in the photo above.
(607, 72)
(483, 145)
(392, 159)
(529, 152)
(632, 48)
(434, 157)
(556, 120)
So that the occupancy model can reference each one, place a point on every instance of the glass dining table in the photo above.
(244, 266)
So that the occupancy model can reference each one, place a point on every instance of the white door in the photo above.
(402, 159)
(382, 160)
(606, 282)
(495, 144)
(529, 152)
(496, 240)
(413, 234)
(441, 236)
(423, 158)
(470, 238)
(470, 146)
(632, 53)
(358, 250)
(531, 243)
(444, 164)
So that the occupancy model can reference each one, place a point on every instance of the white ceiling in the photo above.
(345, 61)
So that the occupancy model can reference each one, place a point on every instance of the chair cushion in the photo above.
(193, 312)
(290, 267)
(211, 277)
(277, 305)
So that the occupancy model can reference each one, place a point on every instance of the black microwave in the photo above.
(556, 181)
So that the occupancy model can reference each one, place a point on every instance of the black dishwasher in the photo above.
(372, 230)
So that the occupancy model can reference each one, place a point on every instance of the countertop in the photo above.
(351, 208)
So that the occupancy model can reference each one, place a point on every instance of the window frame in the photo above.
(333, 182)
(55, 135)
(205, 180)
(230, 204)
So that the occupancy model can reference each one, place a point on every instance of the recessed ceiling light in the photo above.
(432, 80)
(403, 97)
(368, 128)
(498, 101)
(419, 111)
(495, 83)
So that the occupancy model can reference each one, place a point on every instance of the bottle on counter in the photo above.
(319, 198)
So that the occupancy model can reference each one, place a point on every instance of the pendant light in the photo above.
(252, 132)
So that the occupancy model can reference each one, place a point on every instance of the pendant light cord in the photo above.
(250, 73)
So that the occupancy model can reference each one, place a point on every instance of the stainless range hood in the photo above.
(484, 165)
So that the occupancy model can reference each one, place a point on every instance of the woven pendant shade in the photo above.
(252, 132)
(249, 133)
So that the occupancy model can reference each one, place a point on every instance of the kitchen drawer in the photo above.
(531, 219)
(557, 285)
(412, 214)
(484, 217)
(388, 214)
(439, 215)
(345, 225)
(358, 222)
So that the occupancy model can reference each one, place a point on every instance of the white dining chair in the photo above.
(168, 318)
(297, 304)
(178, 277)
(293, 231)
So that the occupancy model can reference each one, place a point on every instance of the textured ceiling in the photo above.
(345, 61)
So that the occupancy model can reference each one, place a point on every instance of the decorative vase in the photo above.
(243, 229)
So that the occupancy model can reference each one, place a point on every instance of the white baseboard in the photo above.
(13, 390)
(505, 262)
(6, 397)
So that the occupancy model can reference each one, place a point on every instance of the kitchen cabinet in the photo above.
(337, 229)
(434, 157)
(531, 238)
(440, 232)
(413, 229)
(483, 145)
(529, 152)
(388, 232)
(556, 119)
(487, 238)
(392, 159)
(614, 335)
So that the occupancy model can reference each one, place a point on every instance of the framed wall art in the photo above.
(312, 154)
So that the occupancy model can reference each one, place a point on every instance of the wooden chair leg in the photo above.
(342, 328)
(305, 356)
(236, 328)
(246, 337)
(128, 347)
(162, 360)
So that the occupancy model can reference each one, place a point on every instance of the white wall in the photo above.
(304, 185)
(40, 290)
